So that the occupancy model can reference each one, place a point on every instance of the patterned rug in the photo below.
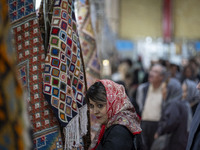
(64, 81)
(88, 43)
(20, 8)
(31, 60)
(13, 127)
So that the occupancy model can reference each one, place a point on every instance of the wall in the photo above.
(141, 18)
(187, 19)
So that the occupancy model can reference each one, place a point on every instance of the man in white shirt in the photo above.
(149, 99)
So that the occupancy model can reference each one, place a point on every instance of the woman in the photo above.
(191, 93)
(174, 117)
(188, 73)
(113, 110)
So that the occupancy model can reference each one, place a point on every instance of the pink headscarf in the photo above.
(119, 109)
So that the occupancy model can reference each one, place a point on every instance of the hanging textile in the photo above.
(64, 79)
(44, 16)
(13, 119)
(88, 43)
(30, 62)
(167, 19)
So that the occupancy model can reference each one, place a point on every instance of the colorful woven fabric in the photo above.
(20, 8)
(12, 121)
(88, 43)
(64, 83)
(31, 60)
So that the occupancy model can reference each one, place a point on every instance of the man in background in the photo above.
(149, 99)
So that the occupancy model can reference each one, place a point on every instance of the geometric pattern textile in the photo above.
(64, 81)
(12, 120)
(31, 60)
(20, 8)
(88, 43)
(89, 48)
(63, 77)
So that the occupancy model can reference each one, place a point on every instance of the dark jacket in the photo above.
(141, 95)
(194, 136)
(174, 121)
(118, 137)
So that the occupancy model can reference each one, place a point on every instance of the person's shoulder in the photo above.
(119, 130)
(143, 85)
(117, 137)
(196, 114)
(118, 127)
(198, 109)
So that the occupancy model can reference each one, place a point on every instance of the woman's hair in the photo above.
(174, 90)
(96, 92)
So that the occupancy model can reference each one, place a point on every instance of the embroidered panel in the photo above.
(20, 8)
(30, 60)
(88, 43)
(64, 85)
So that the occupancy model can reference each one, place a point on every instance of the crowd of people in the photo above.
(164, 99)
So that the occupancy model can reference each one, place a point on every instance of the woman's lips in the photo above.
(98, 117)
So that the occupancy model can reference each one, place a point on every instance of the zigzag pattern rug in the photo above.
(88, 43)
(89, 47)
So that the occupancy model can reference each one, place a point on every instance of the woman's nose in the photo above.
(96, 111)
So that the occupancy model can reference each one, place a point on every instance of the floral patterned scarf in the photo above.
(120, 111)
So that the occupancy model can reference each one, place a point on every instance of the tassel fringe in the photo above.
(83, 120)
(75, 129)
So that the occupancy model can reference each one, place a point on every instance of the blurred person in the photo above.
(146, 75)
(149, 99)
(122, 70)
(137, 75)
(139, 72)
(120, 125)
(188, 73)
(133, 78)
(194, 135)
(165, 63)
(175, 71)
(133, 101)
(191, 93)
(125, 76)
(174, 120)
(196, 69)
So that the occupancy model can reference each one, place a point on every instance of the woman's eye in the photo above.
(91, 106)
(100, 105)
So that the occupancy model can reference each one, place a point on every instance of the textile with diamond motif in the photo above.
(88, 43)
(30, 61)
(64, 83)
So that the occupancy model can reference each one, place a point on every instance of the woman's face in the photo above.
(188, 72)
(99, 110)
(184, 89)
(164, 90)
